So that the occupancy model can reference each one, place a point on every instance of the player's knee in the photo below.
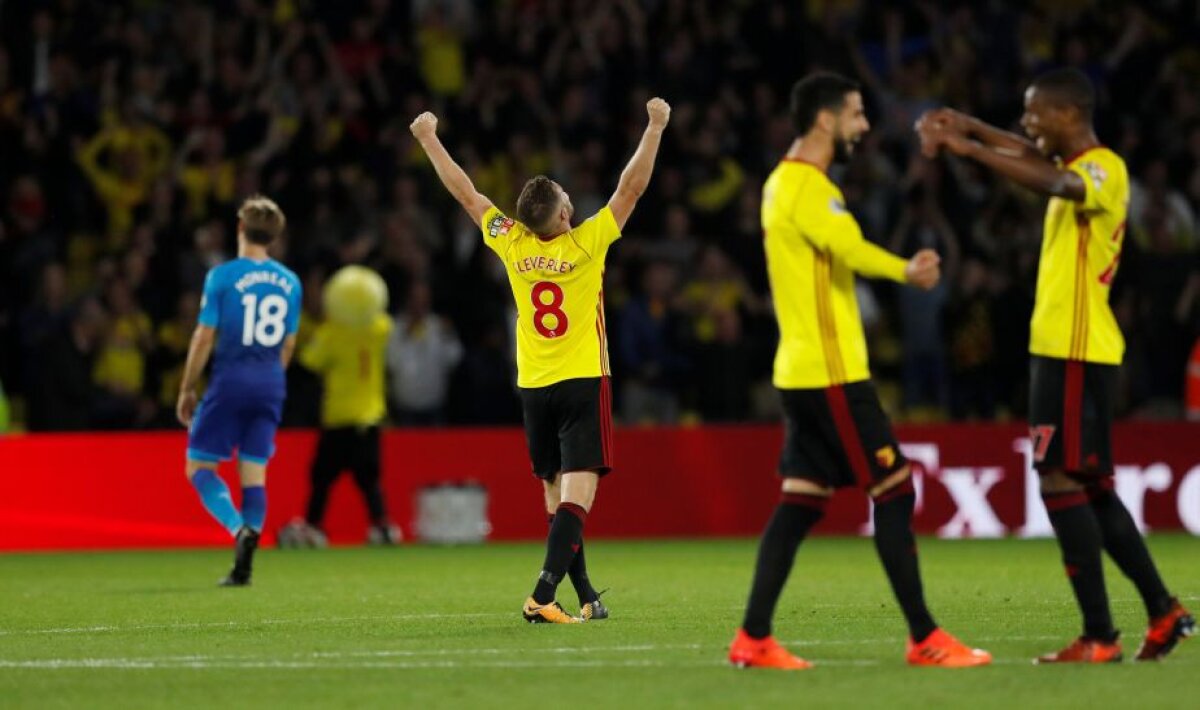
(813, 497)
(193, 467)
(804, 486)
(896, 484)
(583, 499)
(579, 488)
(252, 473)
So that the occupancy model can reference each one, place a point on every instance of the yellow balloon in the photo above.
(354, 295)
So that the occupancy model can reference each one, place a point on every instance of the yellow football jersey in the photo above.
(814, 247)
(351, 364)
(1081, 249)
(558, 287)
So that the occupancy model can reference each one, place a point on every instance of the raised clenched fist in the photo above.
(924, 269)
(659, 111)
(424, 125)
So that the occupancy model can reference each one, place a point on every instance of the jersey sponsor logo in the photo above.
(500, 225)
(542, 263)
(1095, 172)
(836, 206)
(273, 278)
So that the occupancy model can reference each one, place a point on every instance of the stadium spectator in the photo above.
(120, 368)
(715, 289)
(970, 333)
(724, 370)
(678, 243)
(46, 315)
(62, 395)
(922, 225)
(122, 162)
(422, 353)
(648, 344)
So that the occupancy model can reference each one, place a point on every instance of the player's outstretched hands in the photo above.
(424, 125)
(659, 112)
(185, 407)
(924, 269)
(944, 127)
(945, 118)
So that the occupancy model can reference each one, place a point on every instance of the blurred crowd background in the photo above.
(130, 130)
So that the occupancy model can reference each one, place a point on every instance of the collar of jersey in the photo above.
(549, 239)
(1082, 153)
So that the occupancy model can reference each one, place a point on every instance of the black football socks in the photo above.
(1079, 537)
(578, 573)
(566, 532)
(1124, 543)
(794, 517)
(897, 548)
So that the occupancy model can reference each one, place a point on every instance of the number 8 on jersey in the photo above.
(552, 308)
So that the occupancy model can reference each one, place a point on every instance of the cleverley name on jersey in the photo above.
(541, 263)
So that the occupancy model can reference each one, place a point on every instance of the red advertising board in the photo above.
(81, 491)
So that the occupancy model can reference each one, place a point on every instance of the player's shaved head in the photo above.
(819, 91)
(261, 219)
(1067, 87)
(538, 204)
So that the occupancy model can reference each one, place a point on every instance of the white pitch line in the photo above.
(111, 628)
(273, 664)
(240, 624)
(558, 650)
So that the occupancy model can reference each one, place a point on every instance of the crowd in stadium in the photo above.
(129, 132)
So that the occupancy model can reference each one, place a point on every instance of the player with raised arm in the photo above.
(248, 318)
(556, 273)
(835, 431)
(1075, 345)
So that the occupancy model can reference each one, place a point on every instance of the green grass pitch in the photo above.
(421, 627)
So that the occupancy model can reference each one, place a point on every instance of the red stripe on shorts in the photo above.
(1072, 416)
(847, 431)
(606, 420)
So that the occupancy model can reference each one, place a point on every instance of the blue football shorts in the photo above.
(226, 420)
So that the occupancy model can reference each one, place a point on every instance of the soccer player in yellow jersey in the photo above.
(836, 433)
(1075, 346)
(556, 272)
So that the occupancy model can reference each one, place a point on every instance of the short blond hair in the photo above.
(261, 219)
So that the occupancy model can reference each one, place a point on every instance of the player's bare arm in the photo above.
(456, 180)
(199, 351)
(1031, 171)
(999, 139)
(289, 349)
(635, 178)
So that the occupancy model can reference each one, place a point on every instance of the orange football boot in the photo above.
(551, 613)
(942, 649)
(1165, 631)
(1085, 650)
(749, 652)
